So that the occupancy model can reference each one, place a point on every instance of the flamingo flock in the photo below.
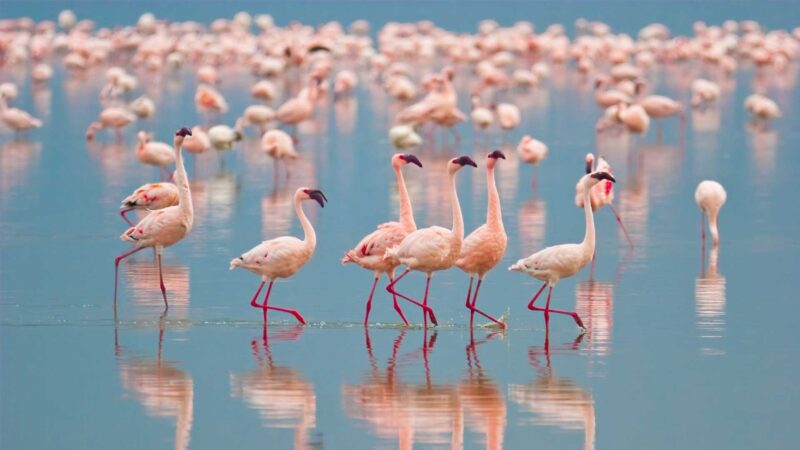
(298, 68)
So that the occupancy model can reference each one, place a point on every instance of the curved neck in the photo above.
(588, 238)
(182, 181)
(712, 225)
(309, 236)
(494, 216)
(406, 212)
(458, 219)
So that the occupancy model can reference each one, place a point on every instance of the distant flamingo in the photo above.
(198, 142)
(208, 99)
(143, 107)
(299, 108)
(704, 92)
(279, 145)
(369, 252)
(508, 116)
(710, 196)
(164, 227)
(258, 116)
(282, 257)
(484, 247)
(158, 154)
(151, 197)
(112, 117)
(17, 119)
(482, 117)
(532, 151)
(435, 248)
(601, 194)
(561, 261)
(404, 137)
(660, 107)
(762, 109)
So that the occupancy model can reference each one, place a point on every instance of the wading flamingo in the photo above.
(17, 119)
(484, 247)
(282, 257)
(602, 194)
(432, 249)
(164, 227)
(710, 196)
(158, 154)
(112, 117)
(532, 151)
(369, 252)
(561, 261)
(151, 196)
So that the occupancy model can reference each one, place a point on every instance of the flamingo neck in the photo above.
(712, 225)
(309, 236)
(589, 237)
(458, 219)
(406, 212)
(494, 216)
(182, 181)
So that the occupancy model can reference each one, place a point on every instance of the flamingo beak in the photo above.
(604, 176)
(465, 161)
(317, 195)
(497, 154)
(411, 159)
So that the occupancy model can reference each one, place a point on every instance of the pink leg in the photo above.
(369, 302)
(536, 296)
(391, 290)
(116, 268)
(266, 299)
(547, 309)
(125, 218)
(161, 280)
(619, 220)
(397, 306)
(254, 301)
(703, 227)
(476, 310)
(467, 303)
(425, 302)
(266, 306)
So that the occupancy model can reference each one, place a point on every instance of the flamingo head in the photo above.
(493, 157)
(408, 158)
(458, 163)
(313, 194)
(183, 132)
(594, 178)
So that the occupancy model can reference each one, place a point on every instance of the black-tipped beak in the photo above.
(183, 132)
(465, 161)
(319, 48)
(497, 154)
(603, 176)
(589, 166)
(411, 159)
(317, 195)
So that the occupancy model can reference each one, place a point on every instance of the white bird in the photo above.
(710, 196)
(222, 137)
(143, 107)
(282, 257)
(435, 248)
(404, 137)
(561, 261)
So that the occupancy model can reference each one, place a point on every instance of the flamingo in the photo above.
(17, 119)
(508, 116)
(704, 92)
(112, 117)
(660, 107)
(143, 107)
(164, 227)
(282, 257)
(432, 249)
(151, 196)
(264, 90)
(762, 108)
(198, 142)
(209, 99)
(279, 145)
(369, 252)
(602, 194)
(532, 151)
(222, 137)
(710, 196)
(404, 136)
(258, 116)
(345, 81)
(482, 116)
(484, 247)
(158, 154)
(299, 108)
(561, 261)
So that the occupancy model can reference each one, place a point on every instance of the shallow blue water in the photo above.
(682, 352)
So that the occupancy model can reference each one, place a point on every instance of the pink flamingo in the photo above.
(435, 248)
(710, 196)
(151, 196)
(601, 194)
(164, 227)
(369, 252)
(17, 119)
(158, 154)
(561, 261)
(301, 107)
(508, 116)
(484, 247)
(198, 142)
(660, 107)
(209, 99)
(113, 117)
(282, 257)
(532, 151)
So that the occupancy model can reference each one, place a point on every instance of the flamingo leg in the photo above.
(474, 309)
(254, 301)
(397, 305)
(536, 296)
(703, 227)
(161, 280)
(391, 290)
(266, 306)
(116, 268)
(469, 293)
(369, 302)
(619, 221)
(547, 309)
(122, 213)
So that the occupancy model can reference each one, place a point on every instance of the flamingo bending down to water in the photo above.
(282, 257)
(369, 252)
(164, 227)
(484, 247)
(111, 117)
(561, 261)
(434, 248)
(601, 194)
(151, 196)
(710, 196)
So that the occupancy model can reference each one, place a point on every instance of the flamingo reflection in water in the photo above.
(160, 386)
(482, 399)
(283, 397)
(424, 413)
(710, 299)
(554, 401)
